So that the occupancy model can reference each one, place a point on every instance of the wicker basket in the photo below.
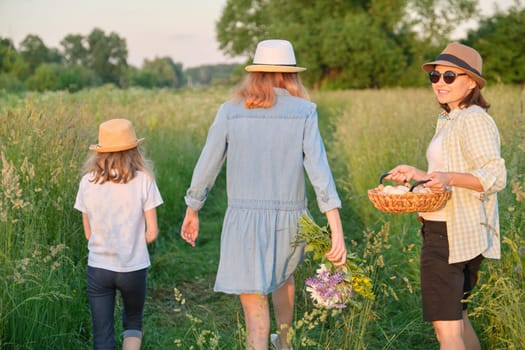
(408, 202)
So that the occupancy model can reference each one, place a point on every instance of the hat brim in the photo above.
(273, 68)
(116, 148)
(427, 67)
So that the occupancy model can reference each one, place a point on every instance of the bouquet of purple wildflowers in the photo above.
(328, 289)
(331, 287)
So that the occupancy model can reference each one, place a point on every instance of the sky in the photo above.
(181, 29)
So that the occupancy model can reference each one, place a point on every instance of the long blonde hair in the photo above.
(118, 167)
(257, 88)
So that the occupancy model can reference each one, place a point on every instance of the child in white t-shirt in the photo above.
(117, 196)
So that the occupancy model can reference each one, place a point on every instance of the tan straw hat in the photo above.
(460, 56)
(116, 135)
(274, 56)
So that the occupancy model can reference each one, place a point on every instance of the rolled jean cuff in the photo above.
(132, 333)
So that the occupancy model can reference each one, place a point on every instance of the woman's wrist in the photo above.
(420, 174)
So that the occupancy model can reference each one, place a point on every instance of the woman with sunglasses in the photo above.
(463, 156)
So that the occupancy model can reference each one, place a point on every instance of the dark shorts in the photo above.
(444, 287)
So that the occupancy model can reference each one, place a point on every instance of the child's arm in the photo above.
(87, 226)
(152, 228)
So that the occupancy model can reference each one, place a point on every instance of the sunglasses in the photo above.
(448, 77)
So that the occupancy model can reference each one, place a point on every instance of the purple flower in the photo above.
(328, 289)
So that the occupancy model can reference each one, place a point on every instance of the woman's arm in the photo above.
(441, 180)
(337, 253)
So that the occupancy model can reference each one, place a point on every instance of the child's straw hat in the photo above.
(116, 135)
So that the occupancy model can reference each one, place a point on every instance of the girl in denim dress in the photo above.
(268, 136)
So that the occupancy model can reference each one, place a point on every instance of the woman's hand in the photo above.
(404, 173)
(337, 253)
(190, 226)
(440, 181)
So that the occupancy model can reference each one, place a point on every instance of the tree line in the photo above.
(375, 43)
(350, 44)
(93, 60)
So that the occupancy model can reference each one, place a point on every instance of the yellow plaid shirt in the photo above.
(471, 144)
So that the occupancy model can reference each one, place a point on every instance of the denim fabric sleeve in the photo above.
(209, 164)
(317, 167)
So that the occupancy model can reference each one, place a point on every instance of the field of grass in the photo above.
(44, 140)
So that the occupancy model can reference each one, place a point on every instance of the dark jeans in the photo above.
(102, 286)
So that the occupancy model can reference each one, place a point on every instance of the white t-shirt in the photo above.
(435, 163)
(116, 216)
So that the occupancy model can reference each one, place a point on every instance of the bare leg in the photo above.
(469, 335)
(449, 334)
(257, 319)
(131, 343)
(283, 304)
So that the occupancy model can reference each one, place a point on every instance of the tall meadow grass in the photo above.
(44, 140)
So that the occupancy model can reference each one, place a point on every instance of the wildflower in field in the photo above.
(328, 289)
(331, 287)
(11, 194)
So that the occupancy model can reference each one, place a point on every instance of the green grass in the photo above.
(43, 254)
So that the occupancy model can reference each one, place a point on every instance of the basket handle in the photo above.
(381, 178)
(417, 183)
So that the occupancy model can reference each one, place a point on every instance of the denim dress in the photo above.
(267, 151)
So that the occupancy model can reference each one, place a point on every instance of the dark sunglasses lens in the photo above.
(449, 77)
(434, 76)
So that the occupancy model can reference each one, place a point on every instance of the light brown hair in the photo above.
(118, 167)
(257, 88)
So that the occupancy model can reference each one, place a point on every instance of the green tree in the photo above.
(8, 54)
(435, 20)
(12, 66)
(74, 49)
(54, 76)
(35, 52)
(500, 40)
(166, 72)
(159, 72)
(213, 74)
(242, 24)
(139, 77)
(357, 43)
(360, 59)
(45, 78)
(107, 56)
